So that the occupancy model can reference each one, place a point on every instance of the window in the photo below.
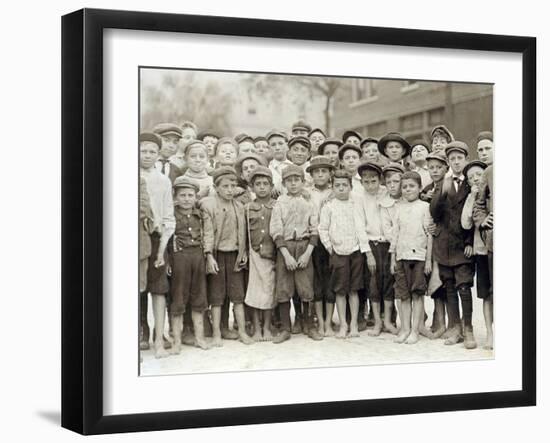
(363, 89)
(412, 123)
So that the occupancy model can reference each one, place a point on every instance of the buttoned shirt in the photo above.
(293, 218)
(370, 205)
(188, 231)
(319, 196)
(258, 217)
(162, 204)
(412, 220)
(228, 236)
(340, 227)
(457, 181)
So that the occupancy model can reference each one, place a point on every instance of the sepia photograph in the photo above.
(304, 221)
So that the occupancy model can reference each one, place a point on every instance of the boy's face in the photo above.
(321, 177)
(419, 153)
(262, 186)
(457, 161)
(485, 151)
(371, 182)
(148, 154)
(350, 161)
(410, 189)
(331, 151)
(185, 198)
(247, 167)
(352, 139)
(439, 142)
(394, 151)
(316, 139)
(298, 154)
(225, 187)
(196, 158)
(188, 134)
(341, 188)
(437, 170)
(475, 176)
(210, 143)
(170, 145)
(227, 154)
(179, 156)
(294, 184)
(279, 147)
(370, 152)
(393, 184)
(261, 147)
(246, 147)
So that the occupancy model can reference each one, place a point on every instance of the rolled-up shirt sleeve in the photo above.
(276, 226)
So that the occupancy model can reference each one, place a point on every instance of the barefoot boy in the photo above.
(411, 260)
(260, 294)
(342, 234)
(188, 268)
(160, 193)
(293, 228)
(225, 249)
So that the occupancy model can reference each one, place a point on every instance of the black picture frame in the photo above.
(82, 220)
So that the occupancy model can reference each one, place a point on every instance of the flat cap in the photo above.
(485, 135)
(207, 133)
(276, 133)
(319, 161)
(223, 171)
(301, 125)
(421, 142)
(292, 170)
(184, 182)
(394, 137)
(249, 156)
(369, 166)
(239, 138)
(350, 133)
(472, 164)
(150, 137)
(346, 147)
(393, 167)
(329, 141)
(444, 130)
(167, 129)
(299, 139)
(262, 171)
(192, 143)
(457, 146)
(316, 130)
(437, 156)
(260, 138)
(367, 140)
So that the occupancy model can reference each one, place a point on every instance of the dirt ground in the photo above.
(302, 352)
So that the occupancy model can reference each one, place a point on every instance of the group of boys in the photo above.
(305, 222)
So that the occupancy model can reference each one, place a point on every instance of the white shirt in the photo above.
(410, 240)
(162, 203)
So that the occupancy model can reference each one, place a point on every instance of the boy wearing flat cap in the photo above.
(171, 135)
(299, 150)
(260, 293)
(485, 147)
(293, 228)
(321, 170)
(440, 138)
(245, 142)
(300, 129)
(188, 283)
(225, 249)
(278, 143)
(245, 165)
(316, 137)
(160, 193)
(452, 247)
(261, 147)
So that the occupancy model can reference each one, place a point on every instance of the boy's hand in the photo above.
(429, 194)
(468, 251)
(474, 189)
(290, 262)
(488, 222)
(159, 262)
(303, 260)
(211, 265)
(428, 267)
(371, 262)
(168, 270)
(242, 263)
(392, 264)
(431, 229)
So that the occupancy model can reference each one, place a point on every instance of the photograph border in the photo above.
(82, 220)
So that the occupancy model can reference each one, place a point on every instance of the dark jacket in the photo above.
(450, 239)
(258, 217)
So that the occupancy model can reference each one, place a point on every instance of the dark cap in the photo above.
(437, 156)
(239, 138)
(471, 165)
(349, 133)
(457, 146)
(207, 133)
(261, 171)
(248, 156)
(316, 130)
(260, 138)
(319, 161)
(394, 137)
(346, 147)
(184, 182)
(412, 175)
(369, 166)
(301, 125)
(393, 167)
(150, 137)
(485, 135)
(223, 171)
(421, 142)
(445, 130)
(292, 170)
(299, 139)
(167, 129)
(368, 140)
(329, 141)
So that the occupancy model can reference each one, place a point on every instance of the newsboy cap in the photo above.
(239, 138)
(485, 135)
(369, 165)
(349, 133)
(316, 130)
(167, 129)
(347, 147)
(457, 146)
(301, 125)
(207, 133)
(262, 171)
(444, 129)
(368, 140)
(184, 182)
(437, 156)
(329, 141)
(223, 171)
(394, 137)
(293, 170)
(421, 142)
(276, 133)
(471, 165)
(249, 156)
(393, 167)
(319, 161)
(299, 139)
(150, 137)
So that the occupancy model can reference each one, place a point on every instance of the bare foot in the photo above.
(438, 333)
(217, 341)
(329, 332)
(282, 337)
(426, 332)
(267, 335)
(176, 348)
(342, 332)
(202, 343)
(488, 346)
(448, 332)
(188, 338)
(321, 329)
(354, 331)
(257, 336)
(388, 327)
(376, 331)
(403, 335)
(455, 338)
(412, 338)
(245, 339)
(160, 352)
(230, 334)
